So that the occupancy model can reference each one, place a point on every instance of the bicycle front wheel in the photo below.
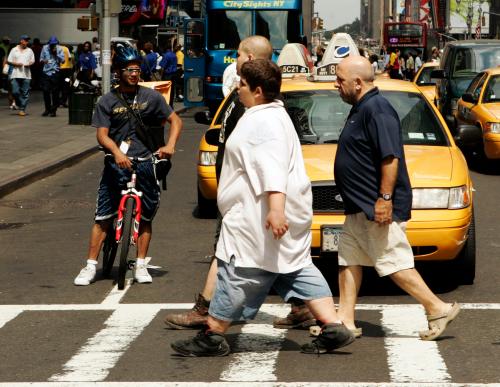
(128, 220)
(109, 252)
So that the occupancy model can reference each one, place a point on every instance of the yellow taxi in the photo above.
(423, 81)
(442, 224)
(480, 106)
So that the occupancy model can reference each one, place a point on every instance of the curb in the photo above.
(27, 177)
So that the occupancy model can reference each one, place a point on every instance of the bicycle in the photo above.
(126, 225)
(124, 231)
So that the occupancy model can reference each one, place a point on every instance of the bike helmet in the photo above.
(125, 54)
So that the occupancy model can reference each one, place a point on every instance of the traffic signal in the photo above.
(320, 24)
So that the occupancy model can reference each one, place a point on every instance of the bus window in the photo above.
(280, 27)
(193, 39)
(226, 29)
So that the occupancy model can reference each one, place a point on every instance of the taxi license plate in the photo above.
(330, 238)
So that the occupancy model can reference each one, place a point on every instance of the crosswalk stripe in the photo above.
(9, 314)
(253, 340)
(101, 352)
(409, 358)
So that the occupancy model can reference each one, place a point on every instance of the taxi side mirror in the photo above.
(203, 118)
(468, 136)
(438, 74)
(468, 97)
(212, 137)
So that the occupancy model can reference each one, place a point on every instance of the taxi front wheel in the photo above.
(465, 263)
(206, 208)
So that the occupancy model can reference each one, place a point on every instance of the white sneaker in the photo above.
(141, 274)
(13, 107)
(86, 275)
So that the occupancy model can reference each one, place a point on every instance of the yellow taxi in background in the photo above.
(424, 82)
(480, 106)
(442, 223)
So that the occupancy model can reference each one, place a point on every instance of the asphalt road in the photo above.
(52, 331)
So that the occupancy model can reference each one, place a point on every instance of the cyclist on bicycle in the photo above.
(128, 132)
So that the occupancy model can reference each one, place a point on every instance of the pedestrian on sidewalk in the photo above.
(265, 200)
(51, 57)
(168, 71)
(371, 175)
(4, 52)
(21, 57)
(251, 48)
(117, 134)
(87, 64)
(66, 69)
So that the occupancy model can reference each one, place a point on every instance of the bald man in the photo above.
(371, 175)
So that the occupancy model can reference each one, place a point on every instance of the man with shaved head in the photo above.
(251, 48)
(371, 175)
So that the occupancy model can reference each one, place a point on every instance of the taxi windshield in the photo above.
(492, 91)
(319, 116)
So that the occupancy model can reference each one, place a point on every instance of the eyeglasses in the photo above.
(132, 70)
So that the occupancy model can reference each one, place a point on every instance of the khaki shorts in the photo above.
(365, 243)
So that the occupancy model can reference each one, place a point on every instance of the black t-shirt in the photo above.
(371, 133)
(231, 116)
(112, 114)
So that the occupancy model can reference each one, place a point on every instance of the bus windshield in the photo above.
(280, 27)
(226, 29)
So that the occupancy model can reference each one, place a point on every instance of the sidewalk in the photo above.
(34, 146)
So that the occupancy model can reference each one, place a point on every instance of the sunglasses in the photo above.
(132, 70)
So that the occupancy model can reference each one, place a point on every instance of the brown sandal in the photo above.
(438, 323)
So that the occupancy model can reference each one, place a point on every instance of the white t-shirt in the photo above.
(26, 57)
(262, 155)
(230, 79)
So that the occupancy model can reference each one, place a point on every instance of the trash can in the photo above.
(163, 87)
(81, 107)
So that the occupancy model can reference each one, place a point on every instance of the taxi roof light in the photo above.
(295, 60)
(341, 46)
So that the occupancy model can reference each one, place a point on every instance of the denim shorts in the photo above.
(241, 291)
(114, 179)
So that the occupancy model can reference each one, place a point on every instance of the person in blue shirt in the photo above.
(86, 63)
(148, 65)
(51, 57)
(168, 70)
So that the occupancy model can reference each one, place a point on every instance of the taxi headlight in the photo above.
(450, 198)
(493, 127)
(207, 158)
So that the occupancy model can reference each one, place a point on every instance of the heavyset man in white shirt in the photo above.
(265, 199)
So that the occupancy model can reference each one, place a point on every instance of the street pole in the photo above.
(106, 47)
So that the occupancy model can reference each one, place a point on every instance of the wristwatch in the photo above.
(385, 196)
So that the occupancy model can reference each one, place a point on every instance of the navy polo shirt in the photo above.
(371, 133)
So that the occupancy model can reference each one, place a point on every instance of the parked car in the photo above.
(424, 81)
(460, 63)
(480, 106)
(442, 225)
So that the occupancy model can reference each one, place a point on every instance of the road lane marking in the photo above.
(9, 314)
(409, 358)
(257, 347)
(102, 351)
(238, 384)
(187, 305)
(115, 296)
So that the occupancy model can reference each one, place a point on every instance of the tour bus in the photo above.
(408, 37)
(211, 43)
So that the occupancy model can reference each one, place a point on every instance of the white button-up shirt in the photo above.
(262, 155)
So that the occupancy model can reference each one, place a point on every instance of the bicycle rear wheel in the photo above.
(109, 252)
(128, 220)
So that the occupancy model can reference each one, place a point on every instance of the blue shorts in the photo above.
(241, 291)
(114, 179)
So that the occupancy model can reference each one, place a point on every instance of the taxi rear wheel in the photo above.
(206, 208)
(465, 264)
